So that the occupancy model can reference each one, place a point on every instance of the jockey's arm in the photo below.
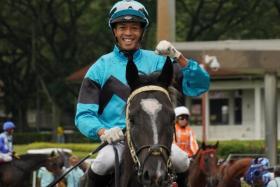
(182, 60)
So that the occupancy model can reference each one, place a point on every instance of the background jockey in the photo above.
(258, 173)
(104, 91)
(185, 136)
(6, 142)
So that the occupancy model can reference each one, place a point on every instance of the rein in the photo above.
(155, 149)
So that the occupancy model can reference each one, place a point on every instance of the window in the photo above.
(196, 112)
(219, 111)
(225, 107)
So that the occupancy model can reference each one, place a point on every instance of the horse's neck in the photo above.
(34, 161)
(238, 168)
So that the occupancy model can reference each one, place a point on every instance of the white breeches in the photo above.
(105, 160)
(6, 157)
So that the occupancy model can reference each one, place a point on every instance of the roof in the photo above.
(251, 45)
(244, 56)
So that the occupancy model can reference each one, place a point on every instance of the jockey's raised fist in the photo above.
(167, 49)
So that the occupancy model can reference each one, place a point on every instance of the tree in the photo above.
(226, 19)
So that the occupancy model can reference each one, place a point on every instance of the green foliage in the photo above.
(221, 20)
(240, 147)
(30, 137)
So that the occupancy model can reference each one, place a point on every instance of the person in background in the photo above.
(60, 134)
(184, 135)
(6, 142)
(73, 177)
(46, 175)
(276, 181)
(258, 174)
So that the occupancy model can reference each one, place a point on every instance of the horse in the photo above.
(203, 170)
(232, 171)
(18, 172)
(149, 130)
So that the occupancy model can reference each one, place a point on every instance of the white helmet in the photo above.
(181, 110)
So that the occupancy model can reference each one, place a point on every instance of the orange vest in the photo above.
(186, 140)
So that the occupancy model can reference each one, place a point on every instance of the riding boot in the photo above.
(182, 179)
(95, 180)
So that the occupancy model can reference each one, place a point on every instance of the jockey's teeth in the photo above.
(127, 40)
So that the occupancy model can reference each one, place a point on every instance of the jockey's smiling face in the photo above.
(128, 35)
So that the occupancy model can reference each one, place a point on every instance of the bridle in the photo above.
(202, 161)
(155, 149)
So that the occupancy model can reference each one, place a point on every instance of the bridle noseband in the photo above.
(155, 149)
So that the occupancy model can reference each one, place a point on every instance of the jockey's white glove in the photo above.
(167, 49)
(112, 135)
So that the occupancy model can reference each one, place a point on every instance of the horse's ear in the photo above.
(217, 144)
(53, 154)
(166, 75)
(203, 146)
(132, 76)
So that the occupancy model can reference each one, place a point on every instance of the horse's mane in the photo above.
(33, 156)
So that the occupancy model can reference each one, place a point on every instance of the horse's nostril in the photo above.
(146, 176)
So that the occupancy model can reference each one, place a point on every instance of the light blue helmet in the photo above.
(8, 125)
(128, 10)
(264, 161)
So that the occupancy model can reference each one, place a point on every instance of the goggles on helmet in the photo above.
(128, 10)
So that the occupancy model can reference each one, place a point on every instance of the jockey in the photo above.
(185, 136)
(6, 142)
(104, 91)
(258, 172)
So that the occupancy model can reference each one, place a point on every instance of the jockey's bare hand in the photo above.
(112, 135)
(167, 49)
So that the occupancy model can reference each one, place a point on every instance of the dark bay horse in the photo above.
(149, 131)
(203, 170)
(18, 172)
(150, 120)
(232, 171)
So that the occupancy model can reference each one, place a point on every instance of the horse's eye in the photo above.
(131, 120)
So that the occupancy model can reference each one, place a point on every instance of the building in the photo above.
(236, 100)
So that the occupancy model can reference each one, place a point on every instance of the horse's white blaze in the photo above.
(152, 107)
(159, 172)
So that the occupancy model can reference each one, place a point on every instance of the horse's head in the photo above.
(56, 160)
(207, 160)
(150, 119)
